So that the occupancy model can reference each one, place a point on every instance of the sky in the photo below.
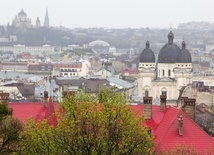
(110, 13)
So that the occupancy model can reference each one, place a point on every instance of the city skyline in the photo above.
(110, 14)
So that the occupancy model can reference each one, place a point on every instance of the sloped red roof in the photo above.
(36, 110)
(164, 125)
(156, 113)
(167, 135)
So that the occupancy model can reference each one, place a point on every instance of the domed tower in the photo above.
(38, 24)
(21, 21)
(167, 58)
(146, 71)
(183, 67)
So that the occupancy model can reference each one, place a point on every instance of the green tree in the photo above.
(9, 130)
(93, 125)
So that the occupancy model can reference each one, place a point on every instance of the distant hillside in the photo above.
(196, 25)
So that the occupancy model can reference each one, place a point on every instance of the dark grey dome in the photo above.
(147, 55)
(184, 55)
(169, 52)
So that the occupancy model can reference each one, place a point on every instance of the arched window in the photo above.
(146, 93)
(164, 91)
(163, 73)
(169, 72)
(146, 90)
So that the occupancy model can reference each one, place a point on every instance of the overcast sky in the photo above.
(110, 13)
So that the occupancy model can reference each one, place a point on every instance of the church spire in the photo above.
(46, 21)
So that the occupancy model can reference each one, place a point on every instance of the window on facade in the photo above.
(163, 93)
(146, 93)
(169, 72)
(163, 73)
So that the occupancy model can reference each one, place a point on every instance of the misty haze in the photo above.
(85, 72)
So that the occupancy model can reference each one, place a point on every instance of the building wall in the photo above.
(165, 68)
(169, 83)
(31, 49)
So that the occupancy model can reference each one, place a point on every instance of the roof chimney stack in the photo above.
(180, 124)
(4, 97)
(45, 98)
(163, 102)
(189, 107)
(182, 101)
(147, 102)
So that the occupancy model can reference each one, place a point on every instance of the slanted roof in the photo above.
(35, 110)
(167, 135)
(164, 125)
(119, 83)
(157, 115)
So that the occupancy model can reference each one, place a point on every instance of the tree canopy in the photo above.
(93, 125)
(9, 130)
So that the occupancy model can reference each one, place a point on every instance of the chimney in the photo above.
(189, 107)
(182, 100)
(163, 102)
(45, 98)
(147, 103)
(4, 97)
(180, 124)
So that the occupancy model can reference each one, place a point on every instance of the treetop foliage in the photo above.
(101, 124)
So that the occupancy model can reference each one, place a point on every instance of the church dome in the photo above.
(184, 55)
(22, 13)
(147, 55)
(169, 51)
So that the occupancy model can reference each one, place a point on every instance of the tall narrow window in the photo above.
(163, 93)
(169, 72)
(146, 93)
(163, 73)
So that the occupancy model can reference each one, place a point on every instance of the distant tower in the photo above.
(38, 24)
(46, 21)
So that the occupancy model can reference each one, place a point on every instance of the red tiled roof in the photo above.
(167, 135)
(164, 125)
(35, 110)
(156, 113)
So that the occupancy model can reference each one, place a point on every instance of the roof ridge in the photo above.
(169, 126)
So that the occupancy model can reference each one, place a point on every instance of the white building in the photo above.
(71, 69)
(16, 49)
(168, 75)
(22, 21)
